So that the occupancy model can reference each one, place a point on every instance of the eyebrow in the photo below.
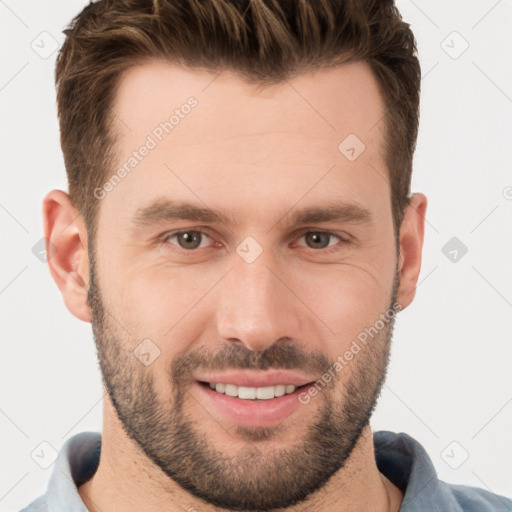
(166, 210)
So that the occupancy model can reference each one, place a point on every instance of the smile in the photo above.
(252, 393)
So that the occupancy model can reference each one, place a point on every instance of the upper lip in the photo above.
(258, 379)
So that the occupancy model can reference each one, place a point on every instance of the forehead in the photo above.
(332, 102)
(239, 136)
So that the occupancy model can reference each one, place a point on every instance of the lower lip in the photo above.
(251, 413)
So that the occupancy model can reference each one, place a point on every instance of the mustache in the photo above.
(285, 355)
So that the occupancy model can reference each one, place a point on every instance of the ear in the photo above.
(411, 246)
(66, 249)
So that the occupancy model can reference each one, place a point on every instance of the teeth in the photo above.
(279, 390)
(246, 393)
(264, 393)
(229, 389)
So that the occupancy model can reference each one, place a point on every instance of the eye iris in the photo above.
(315, 237)
(189, 237)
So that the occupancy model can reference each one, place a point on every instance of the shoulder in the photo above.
(38, 505)
(478, 500)
(76, 462)
(404, 461)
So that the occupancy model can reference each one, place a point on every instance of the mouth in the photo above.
(252, 398)
(255, 394)
(260, 394)
(236, 405)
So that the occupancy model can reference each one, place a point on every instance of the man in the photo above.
(240, 232)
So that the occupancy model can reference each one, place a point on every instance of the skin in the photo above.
(239, 143)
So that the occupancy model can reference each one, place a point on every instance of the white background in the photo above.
(450, 376)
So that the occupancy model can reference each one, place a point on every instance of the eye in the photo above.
(188, 240)
(320, 239)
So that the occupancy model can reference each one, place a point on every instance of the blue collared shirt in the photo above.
(400, 458)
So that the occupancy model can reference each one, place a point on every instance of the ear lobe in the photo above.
(66, 246)
(411, 245)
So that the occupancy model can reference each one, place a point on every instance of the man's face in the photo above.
(178, 302)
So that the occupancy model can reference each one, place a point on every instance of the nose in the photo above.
(257, 307)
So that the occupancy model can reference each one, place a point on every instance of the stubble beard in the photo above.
(256, 478)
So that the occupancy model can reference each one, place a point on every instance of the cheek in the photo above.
(159, 298)
(345, 301)
(159, 302)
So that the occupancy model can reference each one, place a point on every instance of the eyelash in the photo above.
(164, 239)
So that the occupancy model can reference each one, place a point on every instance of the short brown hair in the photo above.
(265, 41)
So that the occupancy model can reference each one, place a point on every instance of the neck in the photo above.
(127, 480)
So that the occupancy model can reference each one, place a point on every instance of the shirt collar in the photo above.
(77, 461)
